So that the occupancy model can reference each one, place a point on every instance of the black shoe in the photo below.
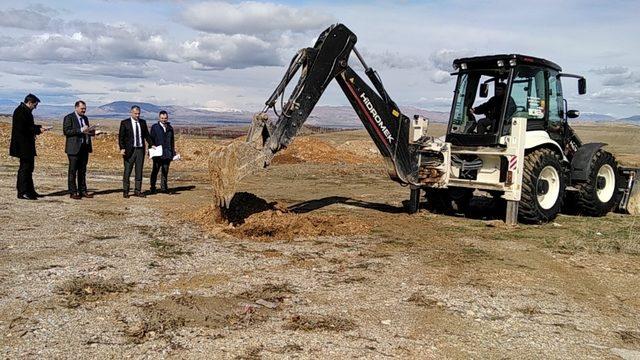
(164, 191)
(153, 191)
(139, 194)
(125, 195)
(35, 194)
(87, 195)
(75, 196)
(27, 197)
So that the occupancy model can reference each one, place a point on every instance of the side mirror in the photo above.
(572, 114)
(582, 86)
(484, 90)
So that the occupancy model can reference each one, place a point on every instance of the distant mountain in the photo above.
(7, 102)
(585, 116)
(124, 107)
(633, 118)
(346, 117)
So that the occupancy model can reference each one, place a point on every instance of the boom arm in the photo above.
(328, 59)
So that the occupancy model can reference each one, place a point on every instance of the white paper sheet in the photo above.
(155, 152)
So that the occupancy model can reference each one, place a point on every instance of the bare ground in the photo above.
(155, 278)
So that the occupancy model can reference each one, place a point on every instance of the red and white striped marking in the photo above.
(513, 162)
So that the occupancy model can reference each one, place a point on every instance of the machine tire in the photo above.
(592, 201)
(448, 201)
(540, 203)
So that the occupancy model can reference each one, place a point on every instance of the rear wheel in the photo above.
(543, 187)
(599, 194)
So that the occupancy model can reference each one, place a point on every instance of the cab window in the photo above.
(529, 93)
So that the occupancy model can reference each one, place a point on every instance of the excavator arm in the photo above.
(318, 66)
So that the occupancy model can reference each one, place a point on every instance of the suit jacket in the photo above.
(72, 130)
(126, 136)
(164, 138)
(23, 133)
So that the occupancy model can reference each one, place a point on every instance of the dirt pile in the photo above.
(365, 149)
(249, 216)
(242, 206)
(314, 150)
(278, 225)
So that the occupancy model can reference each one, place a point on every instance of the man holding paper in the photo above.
(162, 135)
(131, 139)
(76, 128)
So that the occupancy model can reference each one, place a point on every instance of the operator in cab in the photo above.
(492, 109)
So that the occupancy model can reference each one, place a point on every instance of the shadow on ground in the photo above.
(175, 190)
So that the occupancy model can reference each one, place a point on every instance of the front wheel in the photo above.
(543, 187)
(599, 194)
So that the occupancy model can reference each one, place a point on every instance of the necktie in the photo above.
(138, 134)
(84, 136)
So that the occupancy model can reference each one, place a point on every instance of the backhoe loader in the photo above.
(523, 152)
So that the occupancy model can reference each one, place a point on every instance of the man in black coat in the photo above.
(162, 135)
(131, 137)
(23, 145)
(76, 128)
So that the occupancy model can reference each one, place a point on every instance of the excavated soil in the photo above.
(278, 225)
(317, 151)
(249, 216)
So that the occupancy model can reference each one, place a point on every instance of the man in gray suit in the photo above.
(78, 146)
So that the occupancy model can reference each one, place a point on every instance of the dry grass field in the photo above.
(320, 261)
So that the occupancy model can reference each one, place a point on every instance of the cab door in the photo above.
(555, 117)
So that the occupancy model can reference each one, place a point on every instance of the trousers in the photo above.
(162, 166)
(135, 160)
(24, 183)
(78, 171)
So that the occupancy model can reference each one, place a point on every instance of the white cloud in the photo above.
(218, 51)
(443, 59)
(252, 18)
(440, 77)
(123, 70)
(25, 19)
(23, 71)
(628, 78)
(618, 96)
(389, 60)
(125, 89)
(51, 83)
(610, 70)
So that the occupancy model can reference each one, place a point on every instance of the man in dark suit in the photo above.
(162, 135)
(76, 128)
(23, 145)
(131, 138)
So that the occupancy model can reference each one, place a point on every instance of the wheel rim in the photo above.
(551, 176)
(607, 173)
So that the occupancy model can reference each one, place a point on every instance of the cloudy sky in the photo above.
(231, 54)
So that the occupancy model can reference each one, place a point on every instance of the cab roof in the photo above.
(491, 61)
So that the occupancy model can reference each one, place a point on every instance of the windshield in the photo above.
(475, 112)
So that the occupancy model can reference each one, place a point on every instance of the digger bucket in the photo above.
(228, 164)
